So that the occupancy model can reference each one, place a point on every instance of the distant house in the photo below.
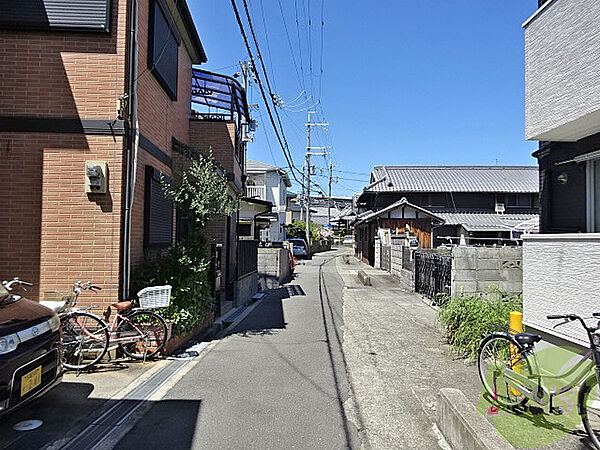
(483, 203)
(269, 183)
(396, 218)
(324, 209)
(562, 112)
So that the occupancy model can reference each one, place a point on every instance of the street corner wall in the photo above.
(561, 275)
(245, 287)
(475, 269)
(273, 266)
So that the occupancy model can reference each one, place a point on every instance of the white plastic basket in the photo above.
(155, 297)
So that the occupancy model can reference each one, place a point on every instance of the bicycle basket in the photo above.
(68, 298)
(155, 297)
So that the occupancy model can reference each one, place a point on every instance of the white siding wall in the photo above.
(562, 71)
(561, 275)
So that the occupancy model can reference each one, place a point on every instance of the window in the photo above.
(515, 200)
(593, 196)
(245, 230)
(44, 15)
(163, 48)
(158, 212)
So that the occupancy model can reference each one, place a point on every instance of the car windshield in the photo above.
(298, 243)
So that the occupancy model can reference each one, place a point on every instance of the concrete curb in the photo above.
(462, 427)
(221, 334)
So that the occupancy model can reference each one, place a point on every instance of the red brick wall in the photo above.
(42, 179)
(219, 138)
(53, 233)
(81, 233)
(64, 74)
(160, 119)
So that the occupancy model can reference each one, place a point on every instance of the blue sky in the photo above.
(403, 82)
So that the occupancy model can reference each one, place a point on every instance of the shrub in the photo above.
(185, 268)
(467, 319)
(297, 229)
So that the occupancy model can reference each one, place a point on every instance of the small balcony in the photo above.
(258, 192)
(562, 69)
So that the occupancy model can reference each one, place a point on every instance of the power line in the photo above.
(300, 80)
(264, 69)
(282, 140)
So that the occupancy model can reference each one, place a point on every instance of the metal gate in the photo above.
(386, 257)
(432, 273)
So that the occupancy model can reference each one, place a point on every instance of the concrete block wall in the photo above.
(561, 275)
(273, 266)
(245, 288)
(319, 246)
(377, 253)
(474, 269)
(397, 244)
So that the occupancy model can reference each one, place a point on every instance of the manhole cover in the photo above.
(28, 425)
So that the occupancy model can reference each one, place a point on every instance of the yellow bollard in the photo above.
(516, 322)
(516, 326)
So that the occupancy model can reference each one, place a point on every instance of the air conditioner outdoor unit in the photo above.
(500, 208)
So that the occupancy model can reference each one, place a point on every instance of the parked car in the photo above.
(29, 348)
(348, 240)
(300, 247)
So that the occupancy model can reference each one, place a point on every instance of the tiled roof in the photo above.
(485, 221)
(366, 217)
(454, 179)
(257, 166)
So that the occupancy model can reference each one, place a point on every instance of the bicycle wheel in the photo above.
(589, 408)
(147, 331)
(496, 354)
(84, 340)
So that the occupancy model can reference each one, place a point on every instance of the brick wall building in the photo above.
(62, 84)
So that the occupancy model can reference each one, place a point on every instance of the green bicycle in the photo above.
(510, 373)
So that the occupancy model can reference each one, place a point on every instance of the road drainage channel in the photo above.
(99, 430)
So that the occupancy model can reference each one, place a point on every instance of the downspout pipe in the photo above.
(130, 143)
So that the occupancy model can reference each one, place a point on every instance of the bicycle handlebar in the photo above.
(571, 317)
(8, 284)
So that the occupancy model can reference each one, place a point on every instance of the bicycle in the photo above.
(510, 373)
(86, 337)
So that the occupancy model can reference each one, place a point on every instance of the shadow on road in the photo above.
(268, 317)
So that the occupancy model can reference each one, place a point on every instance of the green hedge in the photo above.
(467, 319)
(185, 268)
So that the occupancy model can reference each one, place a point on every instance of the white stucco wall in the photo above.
(561, 275)
(562, 69)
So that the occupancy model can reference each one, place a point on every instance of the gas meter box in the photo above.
(95, 177)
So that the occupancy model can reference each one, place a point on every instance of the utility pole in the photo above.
(309, 153)
(329, 201)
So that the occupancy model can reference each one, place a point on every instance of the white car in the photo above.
(348, 240)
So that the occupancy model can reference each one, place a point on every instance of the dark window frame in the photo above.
(152, 64)
(153, 175)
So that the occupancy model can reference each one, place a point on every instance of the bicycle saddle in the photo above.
(527, 338)
(121, 306)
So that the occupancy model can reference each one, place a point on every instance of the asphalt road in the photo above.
(278, 381)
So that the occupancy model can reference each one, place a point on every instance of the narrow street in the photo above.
(279, 381)
(322, 362)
